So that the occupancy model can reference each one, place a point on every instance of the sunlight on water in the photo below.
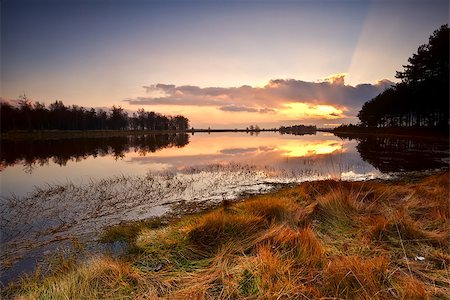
(300, 149)
(27, 165)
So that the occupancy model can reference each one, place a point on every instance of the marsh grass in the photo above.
(325, 239)
(128, 231)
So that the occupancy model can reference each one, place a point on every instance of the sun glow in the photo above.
(261, 84)
(338, 79)
(297, 110)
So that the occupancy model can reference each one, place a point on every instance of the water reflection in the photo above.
(387, 154)
(33, 153)
(29, 164)
(296, 149)
(399, 154)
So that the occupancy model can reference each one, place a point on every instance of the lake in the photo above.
(58, 193)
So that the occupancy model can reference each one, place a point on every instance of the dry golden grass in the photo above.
(400, 226)
(409, 287)
(272, 210)
(319, 240)
(220, 227)
(301, 244)
(356, 277)
(101, 278)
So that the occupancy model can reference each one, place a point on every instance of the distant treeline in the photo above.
(36, 116)
(421, 99)
(298, 129)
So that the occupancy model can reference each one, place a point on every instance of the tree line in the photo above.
(298, 129)
(36, 116)
(421, 99)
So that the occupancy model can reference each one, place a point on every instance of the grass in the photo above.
(324, 239)
(129, 231)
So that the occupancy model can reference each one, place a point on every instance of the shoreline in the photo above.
(386, 132)
(68, 134)
(133, 233)
(73, 134)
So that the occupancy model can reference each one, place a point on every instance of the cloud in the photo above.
(238, 108)
(336, 79)
(235, 108)
(275, 95)
(333, 92)
(175, 101)
(267, 110)
(238, 150)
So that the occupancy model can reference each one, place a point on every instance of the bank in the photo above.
(354, 131)
(322, 239)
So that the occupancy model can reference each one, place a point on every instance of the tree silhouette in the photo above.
(36, 116)
(421, 98)
(298, 129)
(118, 119)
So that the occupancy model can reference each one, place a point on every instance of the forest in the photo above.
(421, 98)
(31, 116)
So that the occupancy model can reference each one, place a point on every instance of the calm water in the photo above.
(55, 192)
(25, 165)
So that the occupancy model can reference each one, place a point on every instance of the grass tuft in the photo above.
(352, 277)
(409, 287)
(127, 231)
(301, 245)
(219, 227)
(272, 210)
(401, 227)
(101, 278)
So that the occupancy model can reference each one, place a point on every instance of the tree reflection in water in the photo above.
(39, 152)
(387, 154)
(400, 154)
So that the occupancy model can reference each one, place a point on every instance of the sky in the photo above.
(222, 64)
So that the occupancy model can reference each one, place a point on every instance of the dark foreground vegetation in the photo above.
(421, 99)
(325, 239)
(31, 116)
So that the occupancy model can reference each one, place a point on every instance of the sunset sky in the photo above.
(219, 63)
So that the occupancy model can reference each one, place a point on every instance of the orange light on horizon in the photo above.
(299, 109)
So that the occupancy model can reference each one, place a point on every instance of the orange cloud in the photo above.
(328, 98)
(337, 79)
(307, 110)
